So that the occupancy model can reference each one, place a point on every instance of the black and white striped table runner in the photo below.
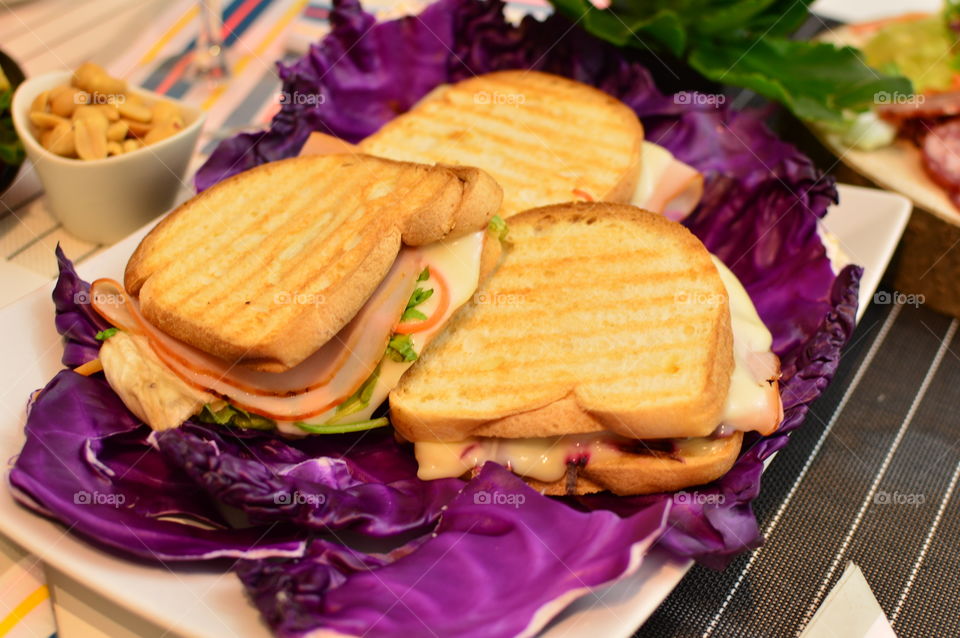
(871, 477)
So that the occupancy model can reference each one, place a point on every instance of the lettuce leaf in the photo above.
(745, 43)
(11, 148)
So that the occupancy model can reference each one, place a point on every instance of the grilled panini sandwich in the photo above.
(579, 143)
(295, 294)
(609, 351)
(544, 138)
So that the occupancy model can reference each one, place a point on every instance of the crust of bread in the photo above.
(652, 361)
(265, 267)
(630, 474)
(490, 256)
(575, 139)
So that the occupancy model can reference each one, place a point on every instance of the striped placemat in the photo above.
(871, 478)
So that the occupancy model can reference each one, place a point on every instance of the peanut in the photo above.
(40, 103)
(60, 140)
(93, 117)
(109, 109)
(85, 72)
(65, 102)
(166, 111)
(135, 111)
(106, 84)
(139, 129)
(117, 131)
(57, 90)
(161, 132)
(95, 79)
(91, 138)
(46, 120)
(87, 112)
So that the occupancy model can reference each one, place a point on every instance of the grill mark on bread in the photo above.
(601, 152)
(326, 222)
(485, 125)
(493, 362)
(237, 265)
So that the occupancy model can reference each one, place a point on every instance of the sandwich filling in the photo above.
(666, 185)
(752, 404)
(335, 389)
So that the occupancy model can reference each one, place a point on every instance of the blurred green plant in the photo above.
(11, 149)
(745, 43)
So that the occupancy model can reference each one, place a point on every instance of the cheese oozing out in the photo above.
(546, 458)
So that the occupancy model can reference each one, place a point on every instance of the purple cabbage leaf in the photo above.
(502, 561)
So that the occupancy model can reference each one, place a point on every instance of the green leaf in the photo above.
(781, 18)
(342, 427)
(644, 24)
(400, 349)
(499, 227)
(103, 335)
(11, 149)
(744, 43)
(361, 398)
(412, 313)
(729, 18)
(418, 297)
(236, 417)
(817, 81)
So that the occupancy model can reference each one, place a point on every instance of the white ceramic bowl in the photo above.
(103, 201)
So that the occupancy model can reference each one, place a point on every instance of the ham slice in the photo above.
(667, 185)
(764, 367)
(321, 382)
(933, 105)
(323, 144)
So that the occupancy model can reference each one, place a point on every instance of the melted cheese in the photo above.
(146, 385)
(459, 262)
(747, 396)
(546, 459)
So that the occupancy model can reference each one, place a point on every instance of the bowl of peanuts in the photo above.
(111, 157)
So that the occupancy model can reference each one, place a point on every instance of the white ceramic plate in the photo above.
(868, 224)
(864, 10)
(897, 167)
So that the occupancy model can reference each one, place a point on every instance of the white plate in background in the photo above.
(864, 10)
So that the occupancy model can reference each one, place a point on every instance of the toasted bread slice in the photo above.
(544, 138)
(702, 462)
(598, 314)
(267, 266)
